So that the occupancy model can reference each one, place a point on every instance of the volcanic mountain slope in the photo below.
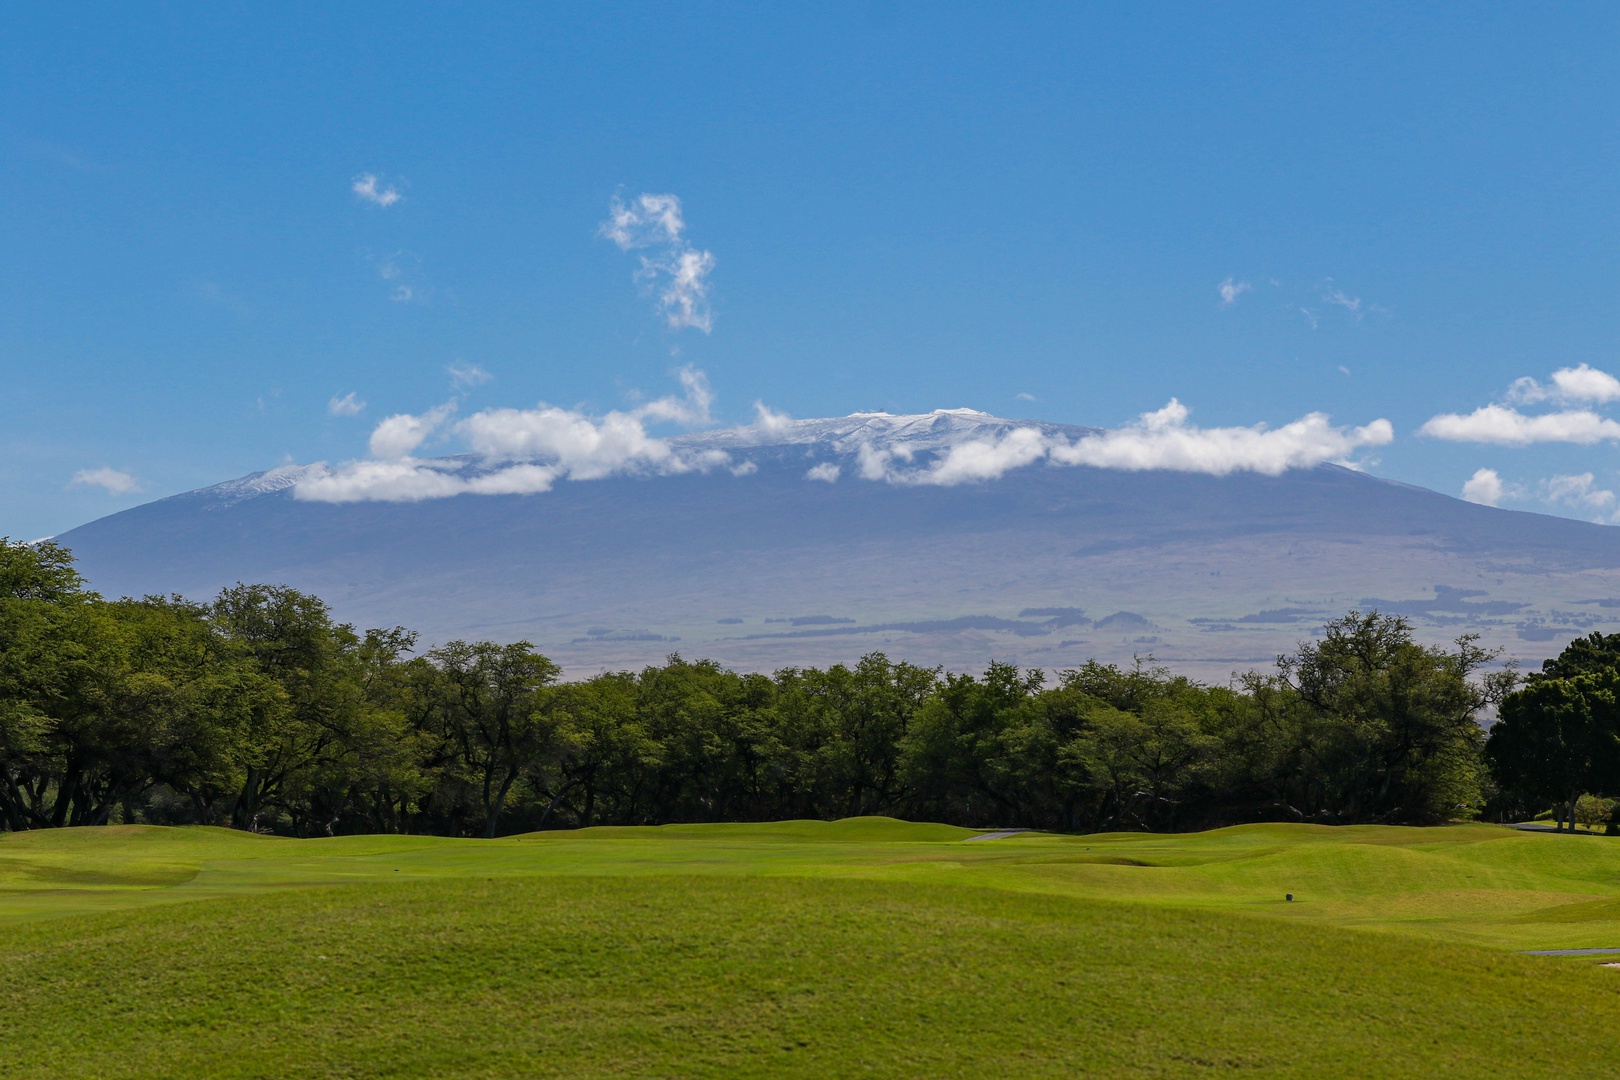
(781, 552)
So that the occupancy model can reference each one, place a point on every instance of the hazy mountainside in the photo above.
(759, 566)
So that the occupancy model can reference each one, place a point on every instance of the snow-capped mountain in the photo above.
(813, 541)
(268, 482)
(930, 432)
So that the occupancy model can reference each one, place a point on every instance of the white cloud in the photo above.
(398, 436)
(366, 186)
(1334, 295)
(1583, 383)
(517, 451)
(1507, 426)
(686, 299)
(767, 420)
(520, 479)
(398, 269)
(1164, 440)
(1024, 397)
(113, 481)
(646, 221)
(675, 270)
(1575, 389)
(529, 450)
(1230, 290)
(1310, 317)
(463, 376)
(874, 463)
(405, 480)
(1484, 487)
(1157, 440)
(589, 448)
(415, 480)
(347, 405)
(988, 459)
(1586, 383)
(691, 410)
(967, 462)
(1579, 490)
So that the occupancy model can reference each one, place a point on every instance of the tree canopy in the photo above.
(1558, 737)
(260, 711)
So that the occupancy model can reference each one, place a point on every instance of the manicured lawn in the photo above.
(808, 949)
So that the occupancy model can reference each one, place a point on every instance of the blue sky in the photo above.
(1027, 210)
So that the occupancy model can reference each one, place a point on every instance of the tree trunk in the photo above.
(550, 806)
(64, 798)
(246, 800)
(493, 813)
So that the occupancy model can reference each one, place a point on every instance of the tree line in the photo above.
(259, 711)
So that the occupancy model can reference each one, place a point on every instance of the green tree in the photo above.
(290, 747)
(1138, 741)
(488, 713)
(1387, 726)
(964, 757)
(189, 700)
(1589, 655)
(1593, 810)
(604, 749)
(842, 731)
(1142, 762)
(64, 686)
(39, 571)
(1557, 738)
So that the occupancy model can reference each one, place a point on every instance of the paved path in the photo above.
(1570, 952)
(999, 834)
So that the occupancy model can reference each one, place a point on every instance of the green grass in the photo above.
(866, 947)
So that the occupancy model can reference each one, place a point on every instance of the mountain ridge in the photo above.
(762, 566)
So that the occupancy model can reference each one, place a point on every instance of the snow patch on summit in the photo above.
(934, 431)
(267, 482)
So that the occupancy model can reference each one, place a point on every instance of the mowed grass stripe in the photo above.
(1475, 884)
(694, 976)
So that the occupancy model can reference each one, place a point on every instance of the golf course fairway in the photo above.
(861, 947)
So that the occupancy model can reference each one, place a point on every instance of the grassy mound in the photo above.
(688, 976)
(1476, 883)
(807, 948)
(856, 830)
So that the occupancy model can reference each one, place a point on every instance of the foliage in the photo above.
(1559, 736)
(1594, 810)
(260, 712)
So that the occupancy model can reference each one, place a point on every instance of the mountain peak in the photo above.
(930, 431)
(266, 482)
